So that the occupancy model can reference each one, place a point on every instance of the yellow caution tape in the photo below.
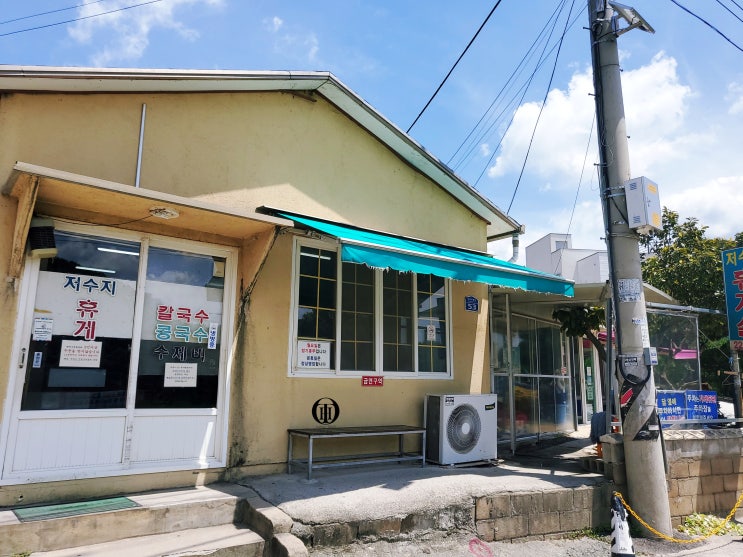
(714, 532)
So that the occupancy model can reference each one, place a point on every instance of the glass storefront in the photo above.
(530, 366)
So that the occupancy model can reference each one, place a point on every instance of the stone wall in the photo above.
(539, 515)
(704, 471)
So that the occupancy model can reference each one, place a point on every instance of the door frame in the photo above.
(18, 361)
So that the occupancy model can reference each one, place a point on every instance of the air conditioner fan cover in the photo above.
(463, 428)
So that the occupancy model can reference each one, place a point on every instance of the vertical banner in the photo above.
(732, 270)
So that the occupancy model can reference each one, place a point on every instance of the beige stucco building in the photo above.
(205, 293)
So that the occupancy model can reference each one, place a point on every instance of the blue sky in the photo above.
(683, 85)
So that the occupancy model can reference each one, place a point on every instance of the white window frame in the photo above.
(334, 245)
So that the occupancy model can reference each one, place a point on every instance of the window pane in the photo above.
(398, 320)
(316, 296)
(328, 264)
(326, 324)
(308, 291)
(83, 319)
(358, 318)
(307, 323)
(432, 326)
(179, 354)
(327, 294)
(309, 261)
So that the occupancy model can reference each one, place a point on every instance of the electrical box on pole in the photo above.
(643, 205)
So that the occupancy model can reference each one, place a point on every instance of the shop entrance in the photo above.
(121, 358)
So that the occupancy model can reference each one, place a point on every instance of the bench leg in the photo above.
(289, 455)
(309, 457)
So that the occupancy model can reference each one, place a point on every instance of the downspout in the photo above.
(515, 243)
(141, 143)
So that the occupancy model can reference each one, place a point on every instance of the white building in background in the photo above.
(554, 253)
(589, 270)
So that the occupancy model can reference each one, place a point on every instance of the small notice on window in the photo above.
(180, 375)
(212, 341)
(313, 354)
(43, 329)
(80, 353)
(430, 333)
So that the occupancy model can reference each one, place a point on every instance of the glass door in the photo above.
(122, 357)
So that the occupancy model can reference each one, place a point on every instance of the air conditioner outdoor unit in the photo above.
(461, 428)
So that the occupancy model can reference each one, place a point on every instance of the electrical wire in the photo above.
(68, 8)
(524, 89)
(454, 66)
(708, 24)
(577, 193)
(541, 109)
(732, 13)
(487, 129)
(80, 18)
(519, 67)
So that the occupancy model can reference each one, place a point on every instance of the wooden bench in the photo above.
(313, 463)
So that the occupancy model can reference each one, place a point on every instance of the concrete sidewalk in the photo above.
(535, 496)
(539, 491)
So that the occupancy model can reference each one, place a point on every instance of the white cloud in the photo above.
(273, 24)
(127, 31)
(715, 203)
(485, 150)
(686, 143)
(735, 97)
(299, 45)
(560, 141)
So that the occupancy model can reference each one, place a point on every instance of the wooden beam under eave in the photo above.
(254, 253)
(25, 191)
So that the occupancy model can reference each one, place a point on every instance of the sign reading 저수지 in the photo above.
(732, 272)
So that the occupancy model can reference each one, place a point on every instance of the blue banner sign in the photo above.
(732, 271)
(671, 405)
(689, 405)
(701, 405)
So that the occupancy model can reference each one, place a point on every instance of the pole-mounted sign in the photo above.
(732, 271)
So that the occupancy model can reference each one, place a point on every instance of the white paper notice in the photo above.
(179, 375)
(80, 353)
(43, 329)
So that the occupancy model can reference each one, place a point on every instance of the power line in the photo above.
(577, 193)
(519, 67)
(68, 8)
(525, 87)
(487, 129)
(541, 109)
(79, 18)
(708, 24)
(732, 13)
(454, 66)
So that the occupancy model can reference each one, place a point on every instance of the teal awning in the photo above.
(386, 251)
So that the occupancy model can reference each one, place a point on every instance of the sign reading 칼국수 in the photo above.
(732, 271)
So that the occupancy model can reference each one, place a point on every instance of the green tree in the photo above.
(680, 260)
(584, 321)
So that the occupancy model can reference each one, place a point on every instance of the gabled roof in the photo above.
(98, 80)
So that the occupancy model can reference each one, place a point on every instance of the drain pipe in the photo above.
(141, 143)
(515, 243)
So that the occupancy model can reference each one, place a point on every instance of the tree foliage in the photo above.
(680, 260)
(584, 321)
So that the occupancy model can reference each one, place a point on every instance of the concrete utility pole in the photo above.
(643, 449)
